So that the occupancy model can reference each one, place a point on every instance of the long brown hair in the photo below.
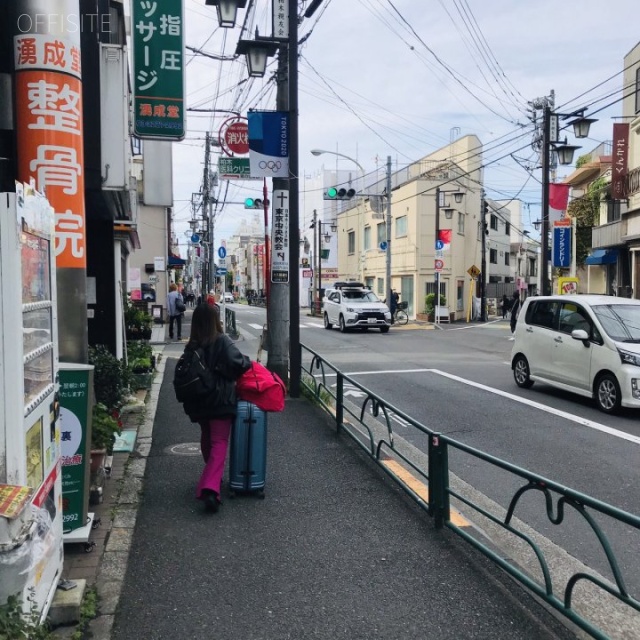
(206, 326)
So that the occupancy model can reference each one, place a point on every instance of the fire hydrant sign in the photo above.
(157, 27)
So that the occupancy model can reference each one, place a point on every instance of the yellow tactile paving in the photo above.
(421, 489)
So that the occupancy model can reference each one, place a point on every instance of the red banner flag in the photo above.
(444, 235)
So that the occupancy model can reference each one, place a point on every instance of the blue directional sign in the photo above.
(221, 271)
(222, 253)
(383, 245)
(195, 238)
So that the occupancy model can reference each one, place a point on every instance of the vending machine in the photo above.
(31, 542)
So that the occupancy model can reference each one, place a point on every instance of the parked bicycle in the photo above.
(401, 316)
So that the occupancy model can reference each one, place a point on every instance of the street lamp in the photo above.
(564, 151)
(257, 51)
(227, 11)
(439, 245)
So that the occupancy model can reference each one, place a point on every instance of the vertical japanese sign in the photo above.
(281, 19)
(50, 135)
(75, 384)
(158, 69)
(619, 160)
(280, 237)
(562, 246)
(269, 144)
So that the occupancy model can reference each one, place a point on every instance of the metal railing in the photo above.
(371, 426)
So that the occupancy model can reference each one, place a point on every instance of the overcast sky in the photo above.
(400, 77)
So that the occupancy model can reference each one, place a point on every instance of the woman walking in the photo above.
(216, 412)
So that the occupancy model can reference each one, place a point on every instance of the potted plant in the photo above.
(141, 363)
(105, 425)
(429, 301)
(138, 322)
(111, 377)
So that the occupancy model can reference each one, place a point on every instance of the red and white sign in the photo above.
(234, 136)
(439, 265)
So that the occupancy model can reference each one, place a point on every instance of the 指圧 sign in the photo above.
(157, 29)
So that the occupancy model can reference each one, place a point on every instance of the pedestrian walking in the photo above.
(515, 309)
(395, 298)
(175, 309)
(216, 412)
(506, 304)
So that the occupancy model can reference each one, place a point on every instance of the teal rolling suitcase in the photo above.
(248, 457)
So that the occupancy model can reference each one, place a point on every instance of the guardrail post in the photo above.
(339, 408)
(438, 480)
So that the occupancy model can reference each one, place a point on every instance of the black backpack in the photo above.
(193, 380)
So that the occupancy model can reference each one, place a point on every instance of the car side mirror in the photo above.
(580, 334)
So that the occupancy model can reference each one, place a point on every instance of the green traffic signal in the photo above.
(333, 193)
(255, 203)
(249, 203)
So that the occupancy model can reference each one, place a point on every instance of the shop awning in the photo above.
(602, 256)
(176, 262)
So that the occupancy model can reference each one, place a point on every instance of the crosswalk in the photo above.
(259, 327)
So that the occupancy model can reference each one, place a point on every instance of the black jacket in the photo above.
(227, 364)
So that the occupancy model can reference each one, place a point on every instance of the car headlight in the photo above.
(351, 310)
(627, 357)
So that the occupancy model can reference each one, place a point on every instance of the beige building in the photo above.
(362, 232)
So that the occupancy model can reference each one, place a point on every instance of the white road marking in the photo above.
(474, 326)
(585, 422)
(597, 426)
(256, 326)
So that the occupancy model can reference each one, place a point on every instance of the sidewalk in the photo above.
(334, 551)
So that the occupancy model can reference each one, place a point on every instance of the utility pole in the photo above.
(206, 276)
(388, 256)
(483, 260)
(278, 307)
(544, 257)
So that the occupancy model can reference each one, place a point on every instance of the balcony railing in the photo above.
(608, 235)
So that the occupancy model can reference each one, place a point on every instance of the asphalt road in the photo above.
(458, 381)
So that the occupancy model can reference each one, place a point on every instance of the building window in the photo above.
(382, 233)
(369, 282)
(506, 258)
(430, 287)
(613, 210)
(460, 295)
(367, 238)
(507, 228)
(352, 241)
(494, 222)
(401, 227)
(533, 271)
(493, 256)
(461, 222)
(380, 286)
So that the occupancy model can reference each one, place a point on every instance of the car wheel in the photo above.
(521, 372)
(607, 393)
(384, 329)
(343, 327)
(327, 324)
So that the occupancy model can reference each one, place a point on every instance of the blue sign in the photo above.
(439, 245)
(383, 245)
(268, 144)
(222, 253)
(221, 271)
(195, 238)
(562, 247)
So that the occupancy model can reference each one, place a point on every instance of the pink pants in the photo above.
(214, 441)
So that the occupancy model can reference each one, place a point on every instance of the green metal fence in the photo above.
(369, 420)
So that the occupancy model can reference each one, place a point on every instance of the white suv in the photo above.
(585, 344)
(351, 305)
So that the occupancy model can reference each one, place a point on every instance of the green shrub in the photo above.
(14, 625)
(110, 377)
(105, 425)
(429, 300)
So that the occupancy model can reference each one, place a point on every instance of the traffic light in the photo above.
(335, 193)
(254, 203)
